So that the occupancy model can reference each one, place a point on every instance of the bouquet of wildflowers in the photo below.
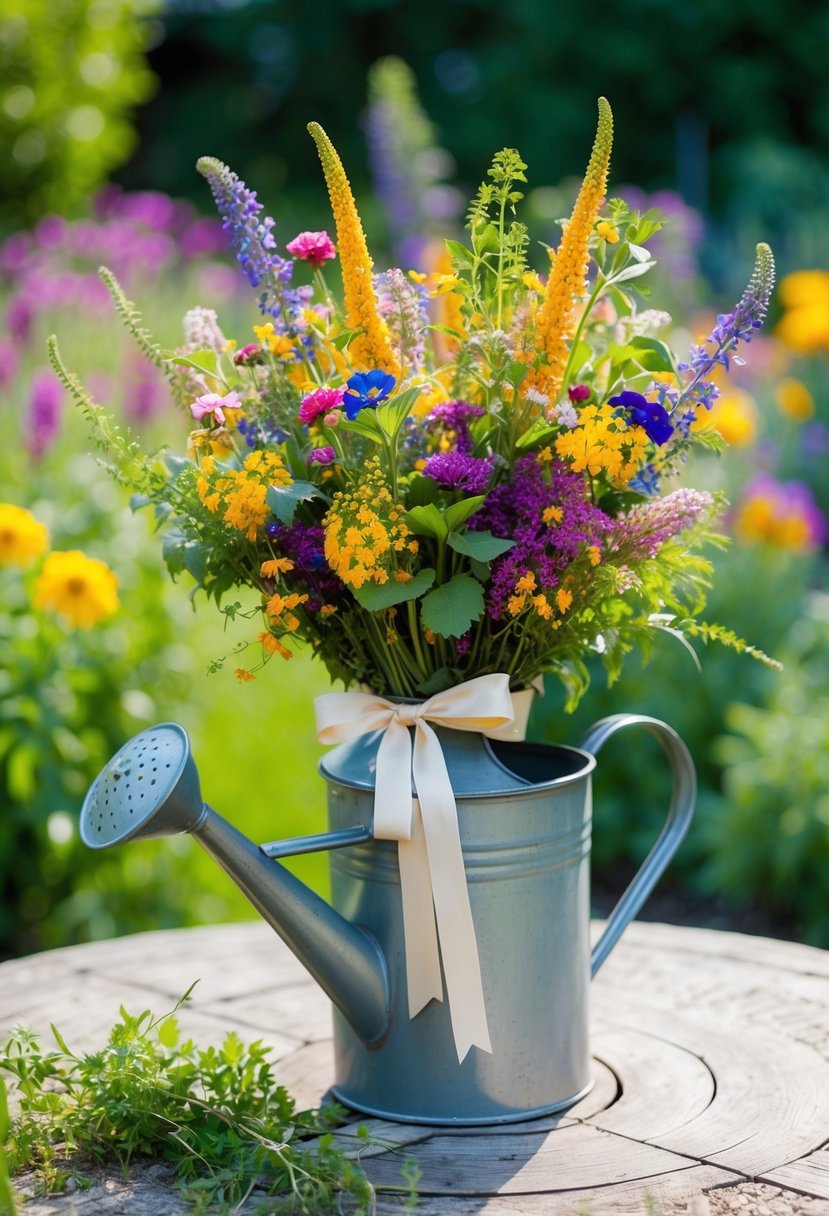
(428, 478)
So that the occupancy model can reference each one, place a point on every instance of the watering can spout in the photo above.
(151, 788)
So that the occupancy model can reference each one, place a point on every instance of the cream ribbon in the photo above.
(432, 876)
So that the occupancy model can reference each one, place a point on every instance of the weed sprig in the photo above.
(216, 1115)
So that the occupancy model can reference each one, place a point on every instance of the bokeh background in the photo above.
(722, 121)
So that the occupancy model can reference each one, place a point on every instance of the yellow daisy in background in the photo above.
(22, 537)
(80, 589)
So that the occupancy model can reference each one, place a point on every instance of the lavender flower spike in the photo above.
(739, 325)
(239, 208)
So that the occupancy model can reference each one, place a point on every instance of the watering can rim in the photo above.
(528, 787)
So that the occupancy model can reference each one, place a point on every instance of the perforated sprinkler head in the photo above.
(149, 788)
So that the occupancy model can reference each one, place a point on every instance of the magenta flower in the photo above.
(320, 401)
(325, 455)
(214, 405)
(313, 248)
(43, 422)
(252, 353)
(578, 393)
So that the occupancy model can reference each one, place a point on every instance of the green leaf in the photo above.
(653, 355)
(374, 597)
(392, 414)
(450, 610)
(202, 360)
(177, 464)
(481, 545)
(342, 340)
(460, 252)
(459, 512)
(439, 681)
(421, 490)
(365, 424)
(427, 520)
(195, 559)
(284, 500)
(538, 431)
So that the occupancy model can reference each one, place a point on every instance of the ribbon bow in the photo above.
(432, 876)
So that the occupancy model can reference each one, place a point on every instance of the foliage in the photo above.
(72, 75)
(217, 1115)
(770, 838)
(8, 1205)
(423, 513)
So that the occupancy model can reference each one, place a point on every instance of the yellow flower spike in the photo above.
(371, 348)
(566, 283)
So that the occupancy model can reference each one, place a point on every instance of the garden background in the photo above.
(722, 120)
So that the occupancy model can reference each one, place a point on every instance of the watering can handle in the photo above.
(680, 813)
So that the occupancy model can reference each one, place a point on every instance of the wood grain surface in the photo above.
(711, 1062)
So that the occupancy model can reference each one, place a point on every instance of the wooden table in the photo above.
(711, 1062)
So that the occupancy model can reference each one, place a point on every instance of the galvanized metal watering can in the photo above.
(524, 820)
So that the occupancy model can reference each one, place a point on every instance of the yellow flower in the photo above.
(608, 232)
(566, 283)
(371, 348)
(602, 440)
(22, 537)
(794, 400)
(804, 326)
(552, 515)
(734, 415)
(281, 346)
(564, 599)
(78, 588)
(275, 566)
(243, 675)
(264, 332)
(365, 531)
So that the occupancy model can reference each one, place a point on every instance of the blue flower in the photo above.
(650, 415)
(366, 389)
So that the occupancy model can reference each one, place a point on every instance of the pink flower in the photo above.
(325, 455)
(252, 353)
(320, 401)
(578, 393)
(212, 403)
(313, 248)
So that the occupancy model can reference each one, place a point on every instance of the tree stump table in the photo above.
(711, 1060)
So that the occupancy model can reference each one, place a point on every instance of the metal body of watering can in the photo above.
(524, 814)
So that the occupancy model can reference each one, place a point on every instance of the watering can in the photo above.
(524, 820)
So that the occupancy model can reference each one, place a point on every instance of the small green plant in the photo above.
(8, 1206)
(216, 1115)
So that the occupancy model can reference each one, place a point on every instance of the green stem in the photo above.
(588, 308)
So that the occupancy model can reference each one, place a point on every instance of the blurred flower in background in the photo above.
(780, 513)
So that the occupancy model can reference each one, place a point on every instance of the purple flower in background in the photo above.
(144, 390)
(9, 362)
(43, 421)
(403, 307)
(325, 455)
(457, 471)
(20, 316)
(650, 415)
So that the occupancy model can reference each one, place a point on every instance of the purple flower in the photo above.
(653, 418)
(514, 510)
(455, 417)
(648, 525)
(366, 389)
(325, 455)
(43, 421)
(252, 239)
(578, 393)
(457, 471)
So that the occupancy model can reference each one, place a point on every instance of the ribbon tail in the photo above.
(458, 944)
(423, 977)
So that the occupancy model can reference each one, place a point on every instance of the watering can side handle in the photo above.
(680, 813)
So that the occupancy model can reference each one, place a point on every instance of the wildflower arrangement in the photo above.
(427, 478)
